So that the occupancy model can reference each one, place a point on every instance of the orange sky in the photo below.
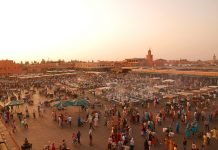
(108, 29)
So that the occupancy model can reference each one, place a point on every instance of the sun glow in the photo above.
(111, 30)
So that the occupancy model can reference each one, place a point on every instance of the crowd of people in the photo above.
(137, 105)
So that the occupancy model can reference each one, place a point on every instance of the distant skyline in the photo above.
(108, 29)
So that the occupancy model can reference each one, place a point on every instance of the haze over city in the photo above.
(108, 74)
(108, 30)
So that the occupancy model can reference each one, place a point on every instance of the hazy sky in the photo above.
(108, 29)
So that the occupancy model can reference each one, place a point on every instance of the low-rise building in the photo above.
(160, 62)
(95, 65)
(50, 65)
(9, 67)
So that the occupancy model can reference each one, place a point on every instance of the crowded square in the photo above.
(100, 110)
(109, 75)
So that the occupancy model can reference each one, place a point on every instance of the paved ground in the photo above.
(8, 137)
(44, 131)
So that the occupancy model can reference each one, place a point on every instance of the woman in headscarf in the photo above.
(187, 133)
(177, 127)
(195, 128)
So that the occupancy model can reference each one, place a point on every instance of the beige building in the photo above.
(95, 65)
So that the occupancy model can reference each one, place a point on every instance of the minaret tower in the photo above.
(149, 58)
(214, 58)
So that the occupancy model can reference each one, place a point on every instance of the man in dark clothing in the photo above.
(26, 145)
(184, 143)
(78, 136)
(146, 146)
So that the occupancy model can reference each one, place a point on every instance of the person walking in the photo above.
(215, 133)
(177, 127)
(204, 139)
(90, 137)
(132, 144)
(13, 126)
(146, 146)
(25, 123)
(64, 145)
(208, 134)
(53, 147)
(78, 136)
(96, 121)
(184, 143)
(69, 120)
(59, 121)
(194, 147)
(34, 114)
(39, 110)
(27, 113)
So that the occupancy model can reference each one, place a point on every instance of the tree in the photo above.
(27, 63)
(43, 61)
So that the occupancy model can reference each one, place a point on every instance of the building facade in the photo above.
(160, 63)
(9, 67)
(134, 62)
(43, 67)
(95, 65)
